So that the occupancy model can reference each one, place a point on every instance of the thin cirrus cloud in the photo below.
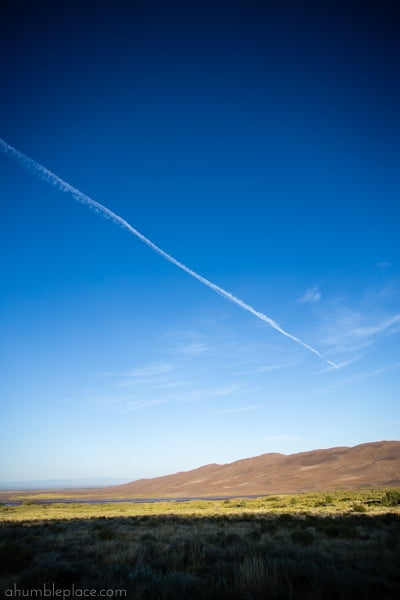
(350, 335)
(152, 370)
(134, 405)
(203, 394)
(189, 396)
(341, 365)
(166, 385)
(158, 383)
(191, 350)
(282, 437)
(311, 295)
(357, 377)
(269, 368)
(147, 374)
(236, 410)
(376, 329)
(51, 178)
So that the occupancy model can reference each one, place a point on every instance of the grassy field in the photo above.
(341, 545)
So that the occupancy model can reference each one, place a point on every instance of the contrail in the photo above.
(40, 171)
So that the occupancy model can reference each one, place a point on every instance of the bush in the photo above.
(332, 530)
(391, 498)
(286, 518)
(340, 530)
(251, 579)
(359, 508)
(254, 535)
(106, 534)
(268, 527)
(55, 568)
(14, 556)
(303, 537)
(181, 586)
(325, 501)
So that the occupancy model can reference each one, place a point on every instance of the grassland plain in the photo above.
(319, 546)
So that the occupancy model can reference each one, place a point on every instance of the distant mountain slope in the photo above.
(367, 465)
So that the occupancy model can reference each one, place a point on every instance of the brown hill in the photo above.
(367, 465)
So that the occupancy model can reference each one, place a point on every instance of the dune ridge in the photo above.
(371, 464)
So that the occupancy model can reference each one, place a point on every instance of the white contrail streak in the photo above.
(37, 169)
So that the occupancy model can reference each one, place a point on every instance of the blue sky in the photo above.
(256, 144)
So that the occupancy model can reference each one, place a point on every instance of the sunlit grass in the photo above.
(369, 501)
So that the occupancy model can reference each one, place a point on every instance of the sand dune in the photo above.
(367, 465)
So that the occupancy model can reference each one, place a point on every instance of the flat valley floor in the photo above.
(341, 545)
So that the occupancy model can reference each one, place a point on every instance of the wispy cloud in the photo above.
(138, 395)
(166, 385)
(268, 368)
(384, 265)
(46, 175)
(348, 333)
(311, 295)
(193, 349)
(206, 393)
(133, 405)
(357, 377)
(236, 410)
(341, 365)
(373, 373)
(282, 437)
(151, 374)
(376, 329)
(152, 370)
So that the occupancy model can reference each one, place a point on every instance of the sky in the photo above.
(258, 144)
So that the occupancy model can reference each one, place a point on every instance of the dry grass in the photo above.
(337, 502)
(266, 548)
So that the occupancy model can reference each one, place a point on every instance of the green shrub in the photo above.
(340, 530)
(251, 579)
(286, 518)
(302, 537)
(359, 508)
(391, 498)
(240, 503)
(332, 530)
(268, 527)
(14, 556)
(180, 586)
(106, 534)
(325, 501)
(54, 567)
